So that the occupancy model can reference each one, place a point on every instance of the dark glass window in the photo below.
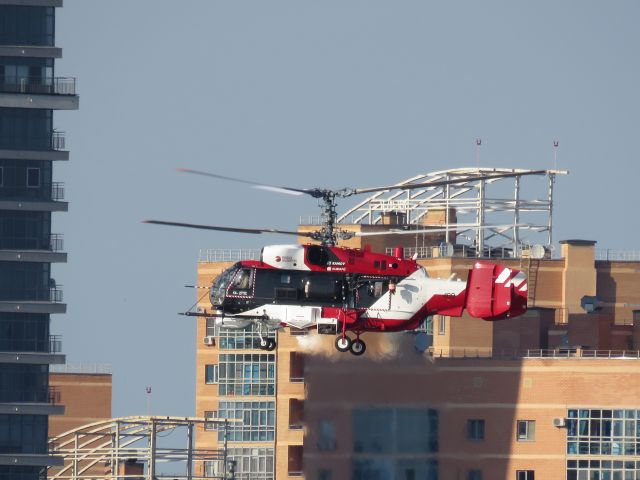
(25, 281)
(24, 383)
(475, 429)
(525, 475)
(210, 374)
(474, 475)
(24, 332)
(28, 230)
(26, 129)
(389, 430)
(33, 177)
(26, 180)
(26, 25)
(9, 472)
(26, 75)
(23, 433)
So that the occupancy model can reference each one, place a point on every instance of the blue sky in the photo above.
(333, 93)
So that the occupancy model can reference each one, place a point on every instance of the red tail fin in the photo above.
(495, 292)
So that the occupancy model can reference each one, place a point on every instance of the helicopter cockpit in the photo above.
(235, 280)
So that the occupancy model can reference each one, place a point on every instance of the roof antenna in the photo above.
(555, 154)
(478, 143)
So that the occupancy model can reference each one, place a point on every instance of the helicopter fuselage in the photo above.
(337, 290)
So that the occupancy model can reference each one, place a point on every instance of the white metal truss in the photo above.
(475, 202)
(101, 449)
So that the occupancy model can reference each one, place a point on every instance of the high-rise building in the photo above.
(30, 91)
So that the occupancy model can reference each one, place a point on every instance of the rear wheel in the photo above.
(343, 343)
(264, 343)
(358, 347)
(271, 344)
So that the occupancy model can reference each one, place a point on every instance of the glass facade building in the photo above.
(29, 145)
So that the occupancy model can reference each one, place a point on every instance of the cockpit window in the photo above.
(243, 279)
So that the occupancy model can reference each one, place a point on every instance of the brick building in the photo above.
(552, 394)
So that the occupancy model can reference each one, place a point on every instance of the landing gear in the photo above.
(267, 344)
(343, 343)
(358, 347)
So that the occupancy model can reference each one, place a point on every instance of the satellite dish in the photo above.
(422, 342)
(537, 251)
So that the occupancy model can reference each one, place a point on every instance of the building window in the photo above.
(602, 469)
(210, 414)
(526, 430)
(475, 429)
(389, 430)
(236, 339)
(525, 475)
(247, 374)
(474, 475)
(442, 325)
(33, 177)
(603, 432)
(250, 464)
(257, 424)
(326, 436)
(210, 374)
(1, 176)
(324, 474)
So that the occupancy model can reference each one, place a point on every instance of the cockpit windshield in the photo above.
(219, 286)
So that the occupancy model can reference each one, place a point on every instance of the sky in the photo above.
(302, 93)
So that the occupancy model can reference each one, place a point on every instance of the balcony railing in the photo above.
(228, 254)
(55, 141)
(56, 242)
(55, 294)
(57, 191)
(38, 85)
(54, 395)
(558, 353)
(50, 344)
(610, 255)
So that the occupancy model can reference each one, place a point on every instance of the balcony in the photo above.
(50, 344)
(54, 142)
(38, 85)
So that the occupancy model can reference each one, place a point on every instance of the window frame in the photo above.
(215, 374)
(476, 429)
(530, 434)
(525, 474)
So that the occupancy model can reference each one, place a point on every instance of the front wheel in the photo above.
(358, 347)
(264, 343)
(343, 343)
(271, 345)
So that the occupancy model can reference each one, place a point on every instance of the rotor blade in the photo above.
(255, 231)
(439, 183)
(453, 228)
(262, 186)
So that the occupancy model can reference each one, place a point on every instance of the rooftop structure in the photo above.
(511, 214)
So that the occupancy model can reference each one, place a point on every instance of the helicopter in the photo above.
(340, 291)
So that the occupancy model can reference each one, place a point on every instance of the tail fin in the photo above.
(495, 292)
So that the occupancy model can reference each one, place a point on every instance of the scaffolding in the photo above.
(133, 447)
(475, 202)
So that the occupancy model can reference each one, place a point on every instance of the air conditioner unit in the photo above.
(209, 340)
(558, 422)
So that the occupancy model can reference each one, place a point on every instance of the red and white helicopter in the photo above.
(338, 290)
